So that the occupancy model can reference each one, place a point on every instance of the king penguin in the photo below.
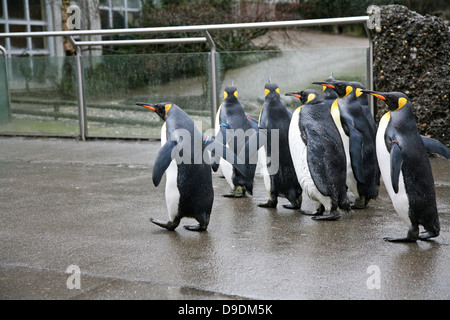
(281, 181)
(359, 143)
(231, 122)
(405, 167)
(189, 191)
(318, 155)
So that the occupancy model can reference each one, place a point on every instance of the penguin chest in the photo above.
(299, 154)
(399, 199)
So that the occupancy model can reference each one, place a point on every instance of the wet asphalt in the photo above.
(87, 204)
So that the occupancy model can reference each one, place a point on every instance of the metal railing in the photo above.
(204, 29)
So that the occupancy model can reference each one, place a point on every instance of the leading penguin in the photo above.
(405, 168)
(189, 190)
(318, 155)
(359, 143)
(230, 122)
(281, 180)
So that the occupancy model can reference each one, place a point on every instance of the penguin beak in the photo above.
(293, 94)
(375, 94)
(148, 106)
(324, 84)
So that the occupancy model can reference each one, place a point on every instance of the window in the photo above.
(116, 14)
(23, 16)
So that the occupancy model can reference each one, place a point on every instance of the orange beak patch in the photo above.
(378, 96)
(149, 107)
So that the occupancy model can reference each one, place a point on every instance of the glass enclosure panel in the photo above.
(43, 96)
(43, 90)
(291, 70)
(114, 83)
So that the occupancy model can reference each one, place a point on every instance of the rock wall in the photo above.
(412, 55)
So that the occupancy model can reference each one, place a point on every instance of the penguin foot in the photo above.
(232, 195)
(319, 212)
(170, 225)
(239, 192)
(268, 204)
(195, 228)
(425, 236)
(333, 216)
(291, 206)
(390, 239)
(359, 203)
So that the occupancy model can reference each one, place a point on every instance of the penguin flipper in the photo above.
(356, 154)
(396, 164)
(435, 146)
(162, 161)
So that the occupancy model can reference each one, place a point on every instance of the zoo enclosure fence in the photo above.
(58, 71)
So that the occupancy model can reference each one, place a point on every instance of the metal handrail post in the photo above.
(370, 71)
(213, 67)
(3, 50)
(80, 90)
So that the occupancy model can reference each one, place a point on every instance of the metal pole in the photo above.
(139, 42)
(199, 28)
(80, 91)
(370, 71)
(213, 67)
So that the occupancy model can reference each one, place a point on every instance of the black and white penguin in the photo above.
(318, 155)
(278, 170)
(405, 167)
(359, 143)
(189, 190)
(231, 122)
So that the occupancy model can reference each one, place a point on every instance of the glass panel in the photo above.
(115, 83)
(291, 70)
(104, 19)
(43, 96)
(136, 4)
(18, 42)
(2, 30)
(16, 9)
(133, 19)
(36, 9)
(1, 10)
(118, 3)
(38, 42)
(118, 20)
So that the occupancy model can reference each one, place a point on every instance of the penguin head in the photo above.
(271, 90)
(342, 88)
(160, 109)
(394, 100)
(359, 87)
(230, 93)
(307, 96)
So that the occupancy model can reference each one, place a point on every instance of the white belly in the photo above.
(400, 199)
(300, 160)
(172, 193)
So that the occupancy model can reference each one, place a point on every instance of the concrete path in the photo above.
(86, 206)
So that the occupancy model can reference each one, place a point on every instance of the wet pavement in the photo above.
(87, 204)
